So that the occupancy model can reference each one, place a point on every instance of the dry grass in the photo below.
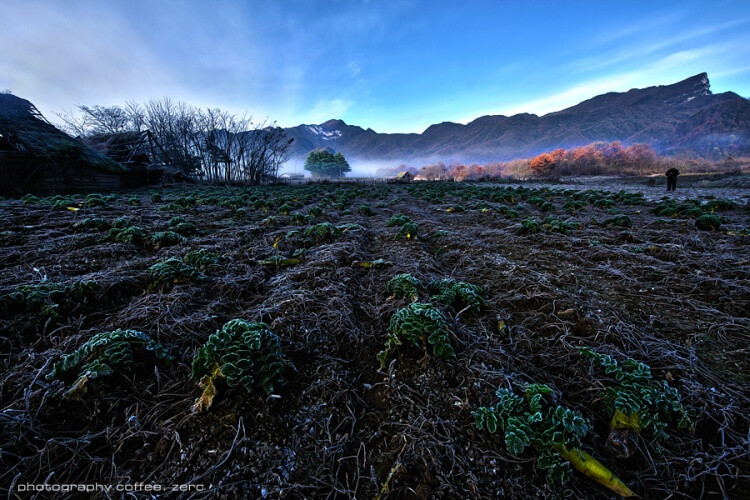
(661, 292)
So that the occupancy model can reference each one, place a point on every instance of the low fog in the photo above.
(360, 168)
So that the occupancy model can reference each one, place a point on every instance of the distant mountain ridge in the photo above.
(681, 118)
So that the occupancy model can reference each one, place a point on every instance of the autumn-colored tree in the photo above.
(639, 157)
(434, 172)
(559, 156)
(596, 158)
(459, 172)
(472, 172)
(495, 170)
(615, 155)
(542, 165)
(587, 158)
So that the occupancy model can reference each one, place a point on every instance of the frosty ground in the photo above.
(659, 290)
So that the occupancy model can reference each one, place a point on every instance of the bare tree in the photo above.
(268, 149)
(136, 116)
(74, 123)
(211, 144)
(106, 120)
(93, 120)
(174, 126)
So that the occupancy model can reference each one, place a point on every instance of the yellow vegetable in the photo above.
(593, 469)
(623, 421)
(73, 209)
(623, 432)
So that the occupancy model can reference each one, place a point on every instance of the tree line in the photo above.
(594, 159)
(599, 158)
(209, 144)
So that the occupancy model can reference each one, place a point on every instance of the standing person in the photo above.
(672, 174)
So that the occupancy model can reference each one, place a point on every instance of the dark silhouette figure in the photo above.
(672, 174)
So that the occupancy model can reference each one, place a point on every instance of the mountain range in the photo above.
(683, 118)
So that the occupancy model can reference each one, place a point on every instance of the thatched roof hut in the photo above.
(136, 149)
(140, 152)
(404, 176)
(37, 157)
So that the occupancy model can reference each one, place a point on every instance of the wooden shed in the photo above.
(36, 157)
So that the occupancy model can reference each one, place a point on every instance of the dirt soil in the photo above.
(662, 292)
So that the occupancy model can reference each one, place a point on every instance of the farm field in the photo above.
(535, 290)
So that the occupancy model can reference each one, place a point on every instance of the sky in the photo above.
(390, 65)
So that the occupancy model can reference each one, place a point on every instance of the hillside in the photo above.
(682, 118)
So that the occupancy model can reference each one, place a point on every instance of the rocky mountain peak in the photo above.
(697, 85)
(332, 124)
(688, 89)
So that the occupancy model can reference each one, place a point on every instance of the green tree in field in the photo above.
(323, 163)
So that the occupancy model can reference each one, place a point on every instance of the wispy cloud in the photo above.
(644, 26)
(682, 57)
(354, 68)
(666, 68)
(64, 57)
(102, 54)
(648, 47)
(571, 96)
(732, 72)
(326, 110)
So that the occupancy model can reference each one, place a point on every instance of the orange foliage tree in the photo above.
(542, 165)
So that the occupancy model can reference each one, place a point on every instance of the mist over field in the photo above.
(361, 168)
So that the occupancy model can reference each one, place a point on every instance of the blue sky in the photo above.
(394, 66)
